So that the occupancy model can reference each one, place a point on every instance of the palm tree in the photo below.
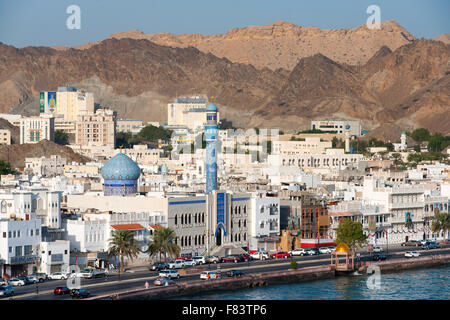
(441, 222)
(163, 242)
(122, 244)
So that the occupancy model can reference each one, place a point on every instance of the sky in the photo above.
(43, 22)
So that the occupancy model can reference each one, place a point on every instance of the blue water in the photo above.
(419, 284)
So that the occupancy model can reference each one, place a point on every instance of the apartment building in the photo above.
(96, 129)
(5, 137)
(35, 129)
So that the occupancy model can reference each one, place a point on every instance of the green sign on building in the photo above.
(42, 102)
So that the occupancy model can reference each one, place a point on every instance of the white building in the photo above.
(264, 222)
(54, 256)
(338, 126)
(35, 129)
(53, 166)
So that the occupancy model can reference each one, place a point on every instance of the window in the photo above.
(49, 253)
(14, 234)
(18, 234)
(4, 234)
(18, 251)
(65, 251)
(28, 250)
(9, 234)
(31, 232)
(37, 232)
(10, 250)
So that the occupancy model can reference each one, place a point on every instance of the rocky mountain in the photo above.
(283, 44)
(405, 87)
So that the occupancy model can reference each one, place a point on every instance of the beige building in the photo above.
(67, 101)
(5, 136)
(133, 126)
(142, 154)
(53, 166)
(76, 170)
(308, 146)
(96, 129)
(35, 129)
(187, 112)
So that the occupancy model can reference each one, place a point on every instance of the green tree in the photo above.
(163, 242)
(152, 133)
(6, 168)
(441, 222)
(125, 139)
(351, 233)
(122, 244)
(420, 134)
(61, 137)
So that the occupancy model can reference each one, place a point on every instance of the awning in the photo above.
(132, 226)
(156, 226)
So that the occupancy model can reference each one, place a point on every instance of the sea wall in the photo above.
(194, 287)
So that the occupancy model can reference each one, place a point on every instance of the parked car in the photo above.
(235, 273)
(184, 258)
(377, 249)
(208, 275)
(233, 258)
(41, 276)
(212, 259)
(430, 245)
(171, 274)
(25, 279)
(157, 266)
(378, 257)
(260, 255)
(79, 293)
(315, 251)
(199, 260)
(297, 252)
(280, 255)
(190, 262)
(422, 242)
(177, 264)
(163, 282)
(245, 257)
(90, 273)
(411, 243)
(57, 276)
(6, 290)
(412, 254)
(16, 282)
(311, 252)
(324, 250)
(59, 291)
(32, 279)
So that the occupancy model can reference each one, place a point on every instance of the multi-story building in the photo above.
(187, 112)
(96, 129)
(308, 146)
(35, 129)
(338, 126)
(67, 101)
(53, 166)
(264, 222)
(133, 126)
(5, 137)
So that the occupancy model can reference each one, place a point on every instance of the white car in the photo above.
(177, 264)
(324, 250)
(16, 282)
(377, 249)
(199, 260)
(259, 256)
(412, 254)
(57, 276)
(298, 252)
(169, 274)
(207, 275)
(190, 262)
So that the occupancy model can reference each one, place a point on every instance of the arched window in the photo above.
(195, 218)
(239, 237)
(195, 240)
(235, 237)
(245, 223)
(182, 241)
(245, 209)
(245, 237)
(235, 210)
(182, 219)
(203, 239)
(239, 223)
(189, 240)
(189, 218)
(203, 217)
(176, 219)
(185, 219)
(239, 209)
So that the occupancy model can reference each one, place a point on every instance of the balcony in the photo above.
(406, 205)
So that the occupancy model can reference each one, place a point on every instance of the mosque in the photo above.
(120, 174)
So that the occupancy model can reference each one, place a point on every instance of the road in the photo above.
(137, 278)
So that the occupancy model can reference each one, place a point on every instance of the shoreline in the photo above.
(269, 278)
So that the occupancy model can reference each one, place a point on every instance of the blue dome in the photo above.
(211, 107)
(120, 167)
